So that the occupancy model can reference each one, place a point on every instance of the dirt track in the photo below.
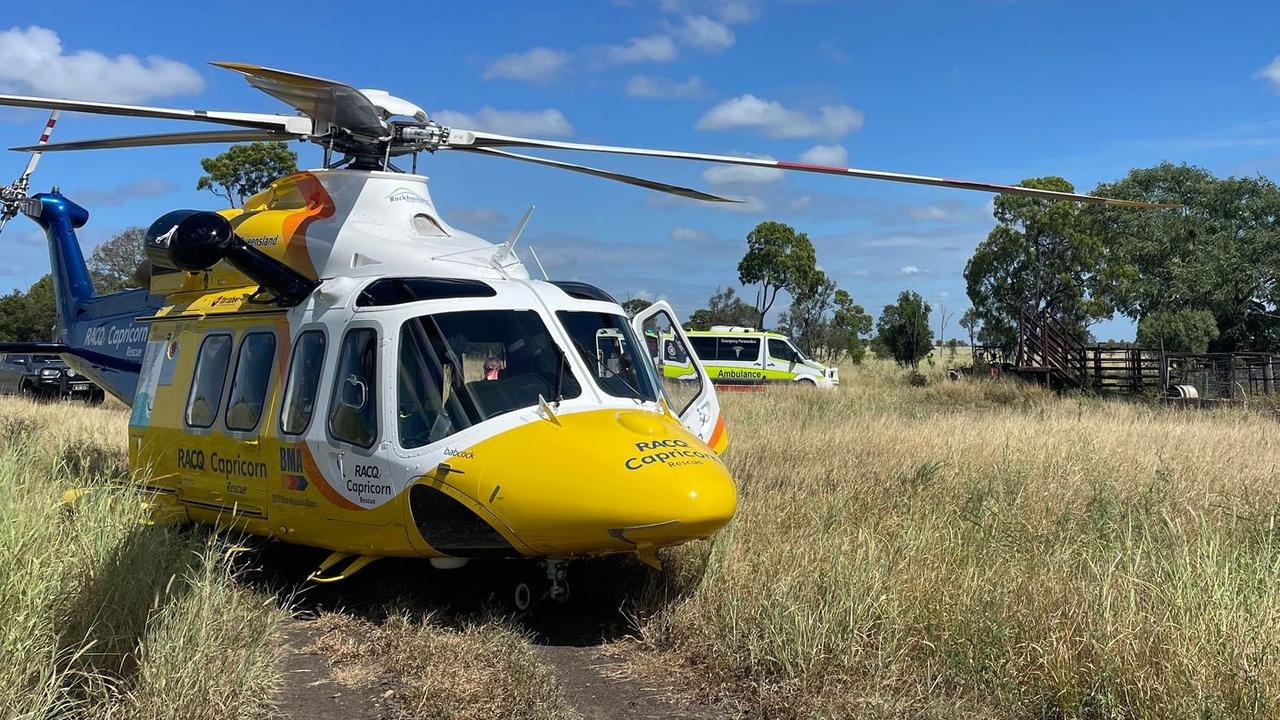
(579, 642)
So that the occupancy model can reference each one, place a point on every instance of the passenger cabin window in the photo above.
(210, 376)
(461, 368)
(353, 409)
(249, 381)
(304, 382)
(781, 350)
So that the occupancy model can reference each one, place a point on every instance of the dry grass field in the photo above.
(987, 550)
(101, 615)
(969, 549)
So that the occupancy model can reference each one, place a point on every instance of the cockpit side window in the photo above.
(304, 382)
(461, 368)
(623, 367)
(249, 381)
(353, 407)
(210, 376)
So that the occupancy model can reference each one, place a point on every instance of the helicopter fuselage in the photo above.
(426, 399)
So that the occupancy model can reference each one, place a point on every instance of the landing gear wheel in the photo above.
(522, 597)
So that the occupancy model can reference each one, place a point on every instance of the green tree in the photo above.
(826, 323)
(969, 321)
(41, 312)
(848, 326)
(1178, 330)
(778, 258)
(634, 305)
(13, 313)
(903, 329)
(1219, 252)
(115, 264)
(1041, 256)
(807, 319)
(724, 307)
(246, 169)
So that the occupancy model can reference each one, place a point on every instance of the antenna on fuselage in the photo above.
(534, 253)
(503, 252)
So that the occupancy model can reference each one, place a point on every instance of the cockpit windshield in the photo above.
(460, 368)
(620, 364)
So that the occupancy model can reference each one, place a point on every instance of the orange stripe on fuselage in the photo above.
(294, 233)
(313, 473)
(720, 436)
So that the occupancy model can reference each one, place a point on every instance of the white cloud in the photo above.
(548, 122)
(911, 270)
(33, 60)
(643, 86)
(651, 48)
(731, 174)
(738, 12)
(732, 12)
(774, 120)
(538, 65)
(148, 187)
(801, 203)
(683, 234)
(1271, 72)
(826, 155)
(703, 33)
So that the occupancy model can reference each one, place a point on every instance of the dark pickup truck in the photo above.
(44, 376)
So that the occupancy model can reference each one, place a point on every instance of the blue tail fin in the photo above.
(103, 339)
(71, 284)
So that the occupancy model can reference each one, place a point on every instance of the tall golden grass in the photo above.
(987, 550)
(101, 614)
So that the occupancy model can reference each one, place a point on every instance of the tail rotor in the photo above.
(12, 197)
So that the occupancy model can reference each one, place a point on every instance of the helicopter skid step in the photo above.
(349, 562)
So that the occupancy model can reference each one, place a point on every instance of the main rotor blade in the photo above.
(472, 139)
(263, 121)
(187, 138)
(606, 174)
(324, 100)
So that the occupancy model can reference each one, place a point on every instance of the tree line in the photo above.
(1201, 277)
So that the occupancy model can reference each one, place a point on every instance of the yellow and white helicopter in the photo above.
(336, 366)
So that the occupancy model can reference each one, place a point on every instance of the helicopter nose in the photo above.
(606, 481)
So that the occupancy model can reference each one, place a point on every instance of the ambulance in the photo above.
(742, 356)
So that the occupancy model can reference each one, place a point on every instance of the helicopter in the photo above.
(334, 365)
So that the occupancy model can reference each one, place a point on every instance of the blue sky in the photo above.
(993, 90)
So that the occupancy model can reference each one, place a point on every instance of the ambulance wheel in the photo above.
(808, 382)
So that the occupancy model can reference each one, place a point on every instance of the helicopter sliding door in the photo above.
(685, 383)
